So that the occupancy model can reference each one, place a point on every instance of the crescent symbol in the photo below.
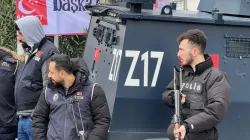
(20, 6)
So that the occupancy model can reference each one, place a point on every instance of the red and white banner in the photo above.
(58, 17)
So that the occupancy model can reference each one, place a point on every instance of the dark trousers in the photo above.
(8, 133)
(206, 135)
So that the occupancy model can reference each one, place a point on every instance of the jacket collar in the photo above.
(201, 67)
(38, 46)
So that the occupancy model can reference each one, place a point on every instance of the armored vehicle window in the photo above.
(237, 47)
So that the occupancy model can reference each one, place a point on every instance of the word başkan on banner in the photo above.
(58, 17)
(78, 5)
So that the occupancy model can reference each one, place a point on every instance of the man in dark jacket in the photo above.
(8, 119)
(71, 107)
(206, 91)
(32, 75)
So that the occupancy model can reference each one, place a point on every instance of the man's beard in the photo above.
(189, 61)
(25, 46)
(57, 84)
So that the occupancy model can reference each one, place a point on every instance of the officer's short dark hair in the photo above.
(63, 62)
(195, 36)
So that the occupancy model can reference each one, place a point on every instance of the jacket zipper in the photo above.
(65, 113)
(21, 75)
(15, 74)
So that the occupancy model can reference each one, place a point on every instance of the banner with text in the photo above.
(58, 17)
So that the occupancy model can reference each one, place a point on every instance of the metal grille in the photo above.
(237, 47)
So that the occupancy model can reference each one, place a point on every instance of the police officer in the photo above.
(32, 75)
(71, 107)
(8, 119)
(206, 90)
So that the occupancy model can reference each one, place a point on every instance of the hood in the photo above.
(31, 29)
(7, 52)
(81, 70)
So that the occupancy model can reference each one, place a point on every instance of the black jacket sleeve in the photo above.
(168, 95)
(101, 115)
(40, 118)
(219, 100)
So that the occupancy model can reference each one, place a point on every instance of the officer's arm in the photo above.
(168, 95)
(101, 115)
(218, 104)
(40, 118)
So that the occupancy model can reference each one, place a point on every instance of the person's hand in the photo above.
(183, 98)
(181, 130)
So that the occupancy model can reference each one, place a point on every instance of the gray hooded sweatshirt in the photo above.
(31, 29)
